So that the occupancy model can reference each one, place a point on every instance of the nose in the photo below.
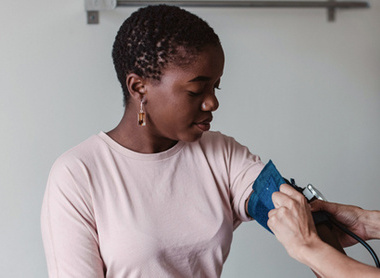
(210, 103)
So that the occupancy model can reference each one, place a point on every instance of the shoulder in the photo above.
(85, 151)
(73, 165)
(219, 141)
(215, 137)
(220, 146)
(69, 185)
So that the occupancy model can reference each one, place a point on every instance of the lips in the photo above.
(204, 125)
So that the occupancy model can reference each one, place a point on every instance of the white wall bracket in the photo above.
(94, 6)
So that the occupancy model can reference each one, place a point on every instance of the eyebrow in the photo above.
(200, 78)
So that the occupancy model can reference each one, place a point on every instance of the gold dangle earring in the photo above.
(141, 115)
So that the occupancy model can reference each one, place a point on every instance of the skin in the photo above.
(178, 107)
(364, 223)
(292, 223)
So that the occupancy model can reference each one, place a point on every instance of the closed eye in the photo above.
(193, 94)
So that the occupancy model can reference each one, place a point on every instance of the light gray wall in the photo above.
(296, 89)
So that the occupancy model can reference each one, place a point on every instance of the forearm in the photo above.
(328, 236)
(327, 262)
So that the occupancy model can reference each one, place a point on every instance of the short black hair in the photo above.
(150, 38)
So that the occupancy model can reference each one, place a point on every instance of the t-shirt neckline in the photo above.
(140, 156)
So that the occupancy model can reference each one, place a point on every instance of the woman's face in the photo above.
(180, 106)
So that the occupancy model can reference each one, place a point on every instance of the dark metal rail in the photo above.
(252, 4)
(330, 5)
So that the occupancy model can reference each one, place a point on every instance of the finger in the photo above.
(275, 216)
(290, 191)
(293, 194)
(271, 223)
(280, 213)
(287, 189)
(318, 205)
(272, 212)
(279, 199)
(281, 218)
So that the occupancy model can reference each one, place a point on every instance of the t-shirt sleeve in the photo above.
(244, 168)
(68, 226)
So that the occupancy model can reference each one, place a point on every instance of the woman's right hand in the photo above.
(350, 216)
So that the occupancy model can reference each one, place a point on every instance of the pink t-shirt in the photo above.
(112, 212)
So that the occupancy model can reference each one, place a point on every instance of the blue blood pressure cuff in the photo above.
(260, 201)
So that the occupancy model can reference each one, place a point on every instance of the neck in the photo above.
(138, 138)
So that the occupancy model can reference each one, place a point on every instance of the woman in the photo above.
(159, 195)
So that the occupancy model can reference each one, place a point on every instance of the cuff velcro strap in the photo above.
(260, 201)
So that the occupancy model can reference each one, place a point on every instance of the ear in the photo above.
(136, 86)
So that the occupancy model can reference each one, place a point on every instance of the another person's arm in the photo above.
(292, 223)
(364, 223)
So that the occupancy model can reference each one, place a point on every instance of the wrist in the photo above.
(371, 222)
(315, 255)
(304, 252)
